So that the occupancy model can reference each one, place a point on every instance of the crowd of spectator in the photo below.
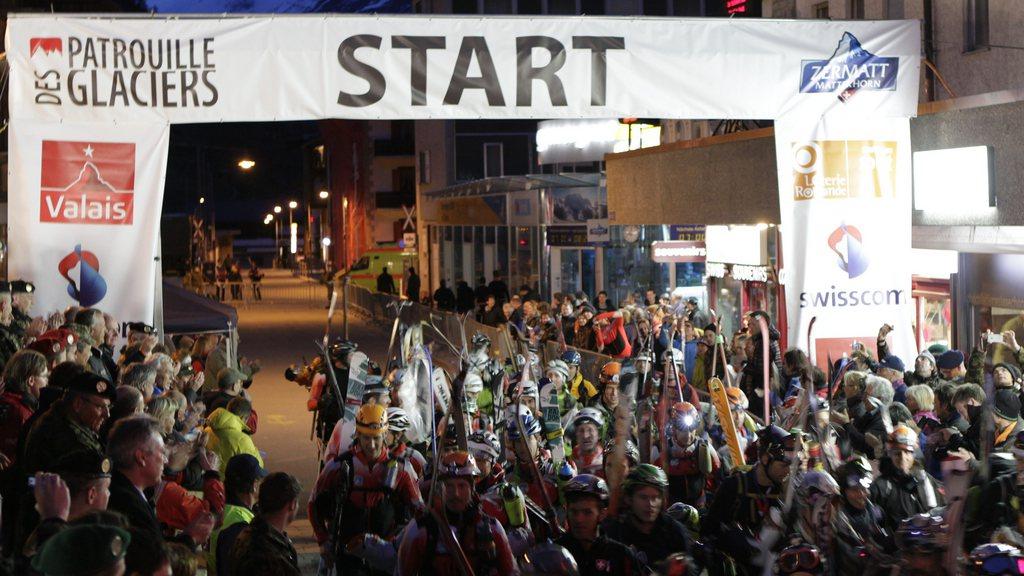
(134, 456)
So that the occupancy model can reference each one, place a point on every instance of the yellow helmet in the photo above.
(372, 419)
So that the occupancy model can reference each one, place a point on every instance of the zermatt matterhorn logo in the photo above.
(87, 183)
(851, 68)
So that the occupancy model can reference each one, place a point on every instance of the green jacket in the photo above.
(233, 514)
(228, 436)
(54, 435)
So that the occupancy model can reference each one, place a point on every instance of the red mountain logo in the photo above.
(47, 45)
(87, 183)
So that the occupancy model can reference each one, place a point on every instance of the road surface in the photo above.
(280, 331)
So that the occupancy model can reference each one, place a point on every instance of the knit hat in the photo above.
(892, 362)
(1006, 404)
(1012, 369)
(938, 349)
(927, 356)
(949, 359)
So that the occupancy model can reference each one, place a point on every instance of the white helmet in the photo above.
(560, 367)
(589, 414)
(473, 383)
(397, 420)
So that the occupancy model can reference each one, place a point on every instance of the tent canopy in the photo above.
(186, 312)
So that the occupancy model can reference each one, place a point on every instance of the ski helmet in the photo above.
(589, 415)
(737, 399)
(484, 445)
(458, 464)
(645, 475)
(610, 372)
(372, 419)
(684, 417)
(815, 484)
(480, 340)
(902, 438)
(473, 383)
(572, 358)
(549, 559)
(586, 485)
(398, 422)
(631, 451)
(685, 514)
(530, 388)
(799, 559)
(775, 442)
(519, 418)
(375, 385)
(996, 560)
(560, 367)
(923, 533)
(856, 472)
(675, 355)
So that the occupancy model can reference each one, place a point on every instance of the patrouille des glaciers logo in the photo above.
(851, 68)
(848, 244)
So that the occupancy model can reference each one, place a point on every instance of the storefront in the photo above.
(741, 274)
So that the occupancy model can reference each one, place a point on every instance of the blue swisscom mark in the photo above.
(849, 69)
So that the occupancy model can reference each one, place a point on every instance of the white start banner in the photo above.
(85, 214)
(845, 200)
(209, 69)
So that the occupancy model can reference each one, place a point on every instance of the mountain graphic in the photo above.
(850, 68)
(89, 181)
(48, 46)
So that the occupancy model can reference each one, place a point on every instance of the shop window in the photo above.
(502, 253)
(478, 252)
(464, 7)
(622, 7)
(628, 268)
(457, 260)
(820, 10)
(493, 164)
(856, 11)
(562, 7)
(529, 7)
(655, 7)
(687, 8)
(425, 167)
(975, 24)
(497, 7)
(593, 7)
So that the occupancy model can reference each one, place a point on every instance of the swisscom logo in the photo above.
(851, 68)
(81, 269)
(848, 244)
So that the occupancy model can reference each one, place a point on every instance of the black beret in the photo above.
(82, 464)
(84, 549)
(140, 327)
(90, 383)
(22, 287)
(5, 287)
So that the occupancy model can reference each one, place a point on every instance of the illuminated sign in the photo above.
(672, 251)
(741, 272)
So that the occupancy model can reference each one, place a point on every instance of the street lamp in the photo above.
(246, 164)
(293, 226)
(277, 209)
(324, 194)
(293, 205)
(202, 199)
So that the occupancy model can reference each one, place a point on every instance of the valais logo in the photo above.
(849, 69)
(847, 243)
(87, 183)
(81, 269)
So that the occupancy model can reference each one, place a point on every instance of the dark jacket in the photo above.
(126, 499)
(385, 283)
(499, 290)
(54, 435)
(605, 556)
(412, 288)
(260, 549)
(494, 316)
(464, 298)
(98, 365)
(668, 537)
(444, 298)
(902, 495)
(753, 370)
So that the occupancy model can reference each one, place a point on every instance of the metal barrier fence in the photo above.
(379, 308)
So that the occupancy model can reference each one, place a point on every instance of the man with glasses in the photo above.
(71, 424)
